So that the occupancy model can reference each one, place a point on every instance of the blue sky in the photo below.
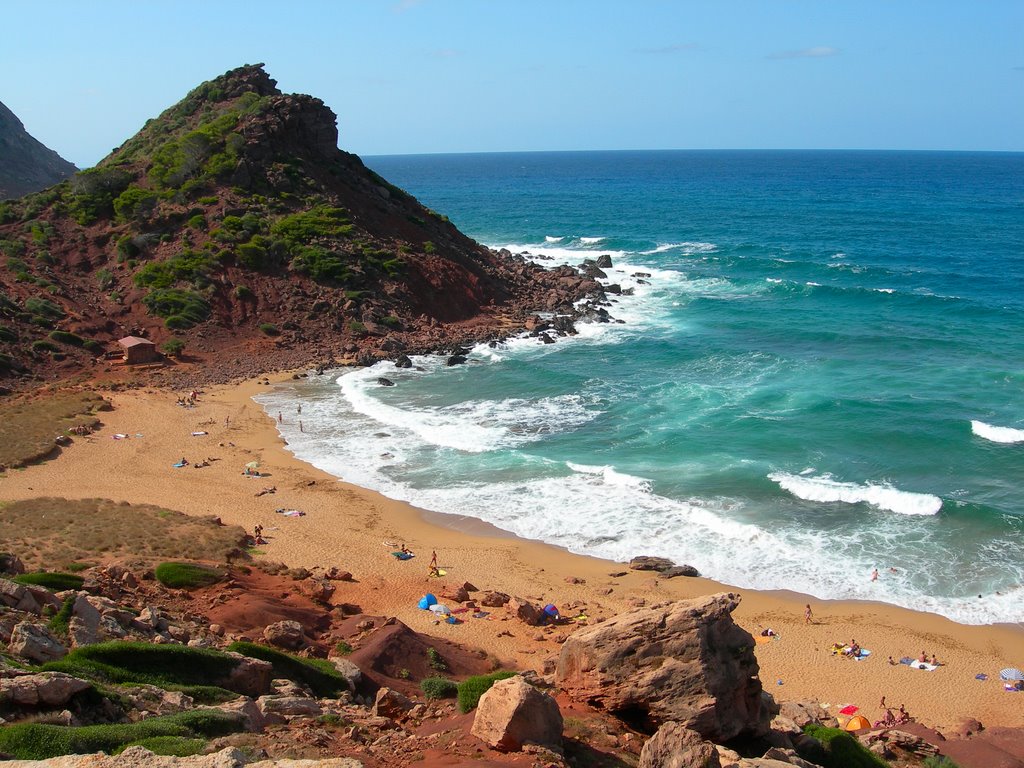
(410, 76)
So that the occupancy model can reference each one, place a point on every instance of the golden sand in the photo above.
(355, 529)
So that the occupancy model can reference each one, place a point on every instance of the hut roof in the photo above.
(134, 341)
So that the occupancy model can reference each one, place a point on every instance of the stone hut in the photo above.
(138, 350)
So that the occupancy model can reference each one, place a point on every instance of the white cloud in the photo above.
(817, 52)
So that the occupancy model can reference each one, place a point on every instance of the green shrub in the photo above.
(186, 575)
(319, 674)
(93, 192)
(269, 329)
(44, 308)
(299, 229)
(842, 750)
(208, 200)
(197, 222)
(55, 582)
(189, 266)
(429, 247)
(190, 307)
(8, 334)
(35, 741)
(472, 688)
(253, 255)
(172, 347)
(42, 345)
(171, 746)
(104, 279)
(343, 648)
(66, 337)
(200, 672)
(938, 761)
(58, 624)
(134, 203)
(320, 264)
(242, 293)
(436, 661)
(439, 688)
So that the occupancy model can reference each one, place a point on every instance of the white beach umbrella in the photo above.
(1012, 673)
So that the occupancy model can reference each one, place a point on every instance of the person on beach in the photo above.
(258, 530)
(892, 662)
(300, 426)
(874, 575)
(854, 651)
(299, 408)
(433, 559)
(923, 658)
(807, 614)
(935, 661)
(280, 419)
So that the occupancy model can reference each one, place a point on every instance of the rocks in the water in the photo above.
(684, 661)
(403, 361)
(512, 713)
(675, 746)
(662, 565)
(604, 261)
(384, 382)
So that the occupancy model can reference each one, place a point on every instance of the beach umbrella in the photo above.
(1012, 673)
(253, 465)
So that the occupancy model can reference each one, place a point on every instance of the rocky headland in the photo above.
(26, 165)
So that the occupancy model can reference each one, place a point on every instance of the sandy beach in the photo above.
(356, 530)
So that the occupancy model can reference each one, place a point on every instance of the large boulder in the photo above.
(513, 713)
(140, 757)
(11, 564)
(675, 746)
(683, 661)
(35, 643)
(285, 634)
(44, 689)
(250, 677)
(18, 597)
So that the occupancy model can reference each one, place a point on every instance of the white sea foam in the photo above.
(473, 426)
(610, 476)
(687, 248)
(825, 489)
(773, 280)
(997, 434)
(885, 290)
(553, 239)
(592, 240)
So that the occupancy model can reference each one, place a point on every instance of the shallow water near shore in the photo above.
(818, 373)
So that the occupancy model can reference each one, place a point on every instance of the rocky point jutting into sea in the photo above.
(232, 226)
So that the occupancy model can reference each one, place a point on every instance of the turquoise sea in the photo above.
(820, 372)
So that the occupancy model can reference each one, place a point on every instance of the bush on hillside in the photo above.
(439, 688)
(842, 750)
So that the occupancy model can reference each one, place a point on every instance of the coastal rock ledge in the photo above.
(140, 757)
(685, 661)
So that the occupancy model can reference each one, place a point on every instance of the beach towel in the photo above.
(119, 436)
(452, 620)
(290, 512)
(923, 665)
(981, 676)
(481, 614)
(181, 464)
(849, 709)
(906, 660)
(438, 573)
(197, 434)
(403, 555)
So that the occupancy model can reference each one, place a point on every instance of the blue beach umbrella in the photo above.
(1011, 673)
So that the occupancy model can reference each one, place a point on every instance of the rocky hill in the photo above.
(25, 164)
(233, 227)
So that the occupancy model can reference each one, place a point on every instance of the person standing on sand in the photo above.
(807, 614)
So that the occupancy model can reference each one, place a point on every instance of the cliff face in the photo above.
(234, 224)
(25, 164)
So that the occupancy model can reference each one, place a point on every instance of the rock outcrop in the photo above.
(26, 165)
(684, 661)
(675, 746)
(512, 713)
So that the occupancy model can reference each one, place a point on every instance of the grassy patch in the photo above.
(320, 675)
(472, 688)
(59, 623)
(50, 530)
(35, 741)
(172, 746)
(28, 428)
(187, 575)
(55, 582)
(843, 750)
(199, 672)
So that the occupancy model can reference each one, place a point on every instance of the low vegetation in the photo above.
(472, 688)
(319, 674)
(29, 427)
(187, 575)
(59, 532)
(439, 688)
(200, 672)
(53, 581)
(842, 750)
(36, 741)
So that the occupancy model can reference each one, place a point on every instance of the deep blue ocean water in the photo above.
(822, 374)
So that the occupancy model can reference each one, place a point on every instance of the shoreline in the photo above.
(346, 526)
